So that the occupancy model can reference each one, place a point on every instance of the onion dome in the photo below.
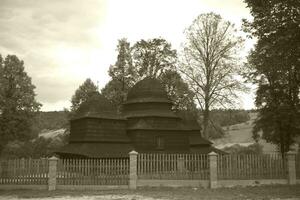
(97, 106)
(147, 90)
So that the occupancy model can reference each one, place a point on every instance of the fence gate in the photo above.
(109, 171)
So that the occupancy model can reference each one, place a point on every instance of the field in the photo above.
(242, 134)
(275, 192)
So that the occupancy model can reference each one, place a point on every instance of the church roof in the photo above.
(97, 107)
(147, 90)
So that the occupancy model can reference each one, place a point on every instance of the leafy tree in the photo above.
(123, 75)
(274, 66)
(18, 106)
(83, 93)
(210, 63)
(178, 91)
(153, 57)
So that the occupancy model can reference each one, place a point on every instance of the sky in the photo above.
(63, 42)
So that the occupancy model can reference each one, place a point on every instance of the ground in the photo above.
(274, 192)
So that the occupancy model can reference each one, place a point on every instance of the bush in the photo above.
(238, 149)
(37, 148)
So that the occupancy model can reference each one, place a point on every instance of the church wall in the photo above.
(146, 140)
(154, 123)
(78, 129)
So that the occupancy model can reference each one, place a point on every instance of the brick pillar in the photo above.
(133, 169)
(291, 167)
(52, 173)
(213, 180)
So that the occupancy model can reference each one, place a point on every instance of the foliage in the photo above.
(113, 91)
(229, 117)
(83, 93)
(154, 58)
(151, 58)
(210, 63)
(52, 120)
(238, 149)
(18, 106)
(123, 74)
(274, 66)
(94, 104)
(219, 118)
(37, 148)
(215, 130)
(178, 91)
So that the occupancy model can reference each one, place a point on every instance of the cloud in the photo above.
(36, 31)
(63, 42)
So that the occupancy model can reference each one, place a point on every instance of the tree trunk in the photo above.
(205, 121)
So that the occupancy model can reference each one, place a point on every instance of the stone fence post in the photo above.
(291, 167)
(213, 179)
(0, 168)
(133, 169)
(180, 164)
(52, 173)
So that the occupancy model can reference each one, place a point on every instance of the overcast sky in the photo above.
(63, 42)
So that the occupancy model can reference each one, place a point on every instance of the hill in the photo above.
(53, 120)
(241, 134)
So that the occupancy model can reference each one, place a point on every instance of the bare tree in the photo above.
(210, 63)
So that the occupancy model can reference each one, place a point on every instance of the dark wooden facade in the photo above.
(146, 124)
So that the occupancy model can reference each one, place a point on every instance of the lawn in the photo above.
(259, 192)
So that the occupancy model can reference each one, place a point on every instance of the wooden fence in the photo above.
(150, 169)
(173, 166)
(268, 166)
(93, 172)
(24, 171)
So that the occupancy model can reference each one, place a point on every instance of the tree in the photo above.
(83, 93)
(153, 57)
(18, 106)
(122, 73)
(178, 91)
(210, 63)
(274, 66)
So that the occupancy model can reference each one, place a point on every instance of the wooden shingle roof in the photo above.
(99, 107)
(147, 90)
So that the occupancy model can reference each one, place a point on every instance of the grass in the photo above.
(258, 192)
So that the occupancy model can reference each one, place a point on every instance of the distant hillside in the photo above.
(53, 120)
(229, 117)
(241, 134)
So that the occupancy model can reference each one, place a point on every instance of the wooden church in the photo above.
(146, 124)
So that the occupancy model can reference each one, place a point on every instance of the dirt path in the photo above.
(271, 192)
(97, 197)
